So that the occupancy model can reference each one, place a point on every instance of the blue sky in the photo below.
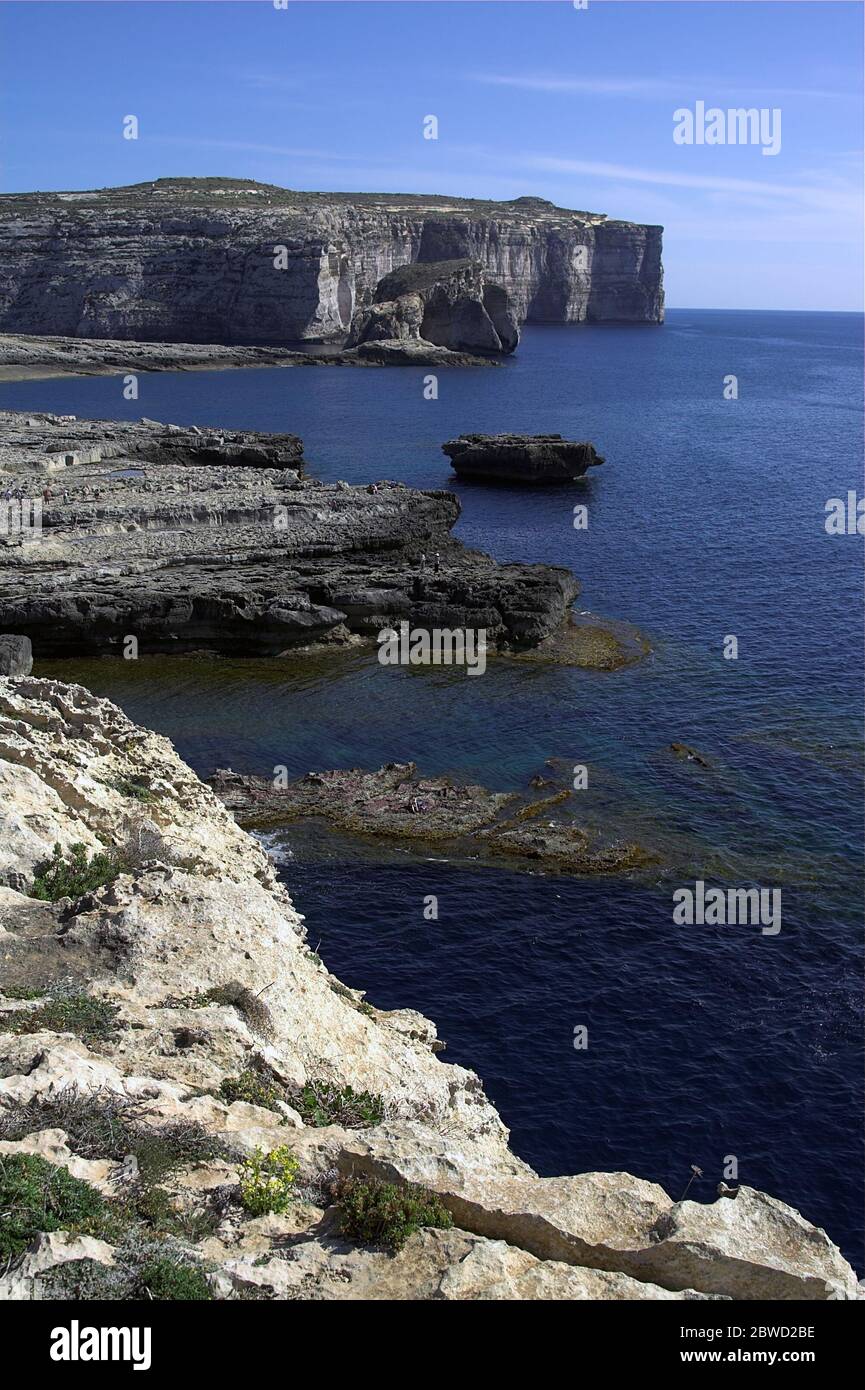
(531, 98)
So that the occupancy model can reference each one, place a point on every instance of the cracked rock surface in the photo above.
(215, 540)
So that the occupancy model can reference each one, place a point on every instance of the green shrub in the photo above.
(134, 788)
(90, 1019)
(38, 1196)
(380, 1213)
(323, 1103)
(72, 877)
(163, 1279)
(144, 1269)
(252, 1087)
(104, 1125)
(267, 1179)
(154, 1208)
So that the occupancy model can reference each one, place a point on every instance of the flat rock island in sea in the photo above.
(520, 458)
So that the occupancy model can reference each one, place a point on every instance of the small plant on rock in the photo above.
(91, 1019)
(380, 1213)
(232, 995)
(39, 1196)
(166, 1279)
(267, 1180)
(252, 1088)
(144, 1269)
(134, 788)
(323, 1103)
(100, 1124)
(74, 875)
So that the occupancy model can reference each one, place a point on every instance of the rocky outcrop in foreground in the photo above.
(449, 303)
(176, 1065)
(234, 261)
(520, 458)
(191, 540)
(536, 828)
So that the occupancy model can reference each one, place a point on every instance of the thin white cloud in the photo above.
(644, 87)
(270, 81)
(606, 86)
(829, 195)
(251, 147)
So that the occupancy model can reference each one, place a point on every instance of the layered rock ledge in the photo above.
(190, 540)
(193, 953)
(24, 356)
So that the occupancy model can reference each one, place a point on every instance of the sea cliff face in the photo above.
(221, 260)
(165, 1029)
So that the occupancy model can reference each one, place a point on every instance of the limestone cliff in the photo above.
(226, 260)
(451, 304)
(173, 1019)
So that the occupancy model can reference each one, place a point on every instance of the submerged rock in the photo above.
(686, 754)
(520, 458)
(591, 642)
(398, 803)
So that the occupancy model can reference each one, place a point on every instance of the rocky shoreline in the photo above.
(190, 540)
(24, 358)
(167, 1036)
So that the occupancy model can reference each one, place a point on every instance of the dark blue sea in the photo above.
(706, 520)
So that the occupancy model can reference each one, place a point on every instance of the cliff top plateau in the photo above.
(226, 192)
